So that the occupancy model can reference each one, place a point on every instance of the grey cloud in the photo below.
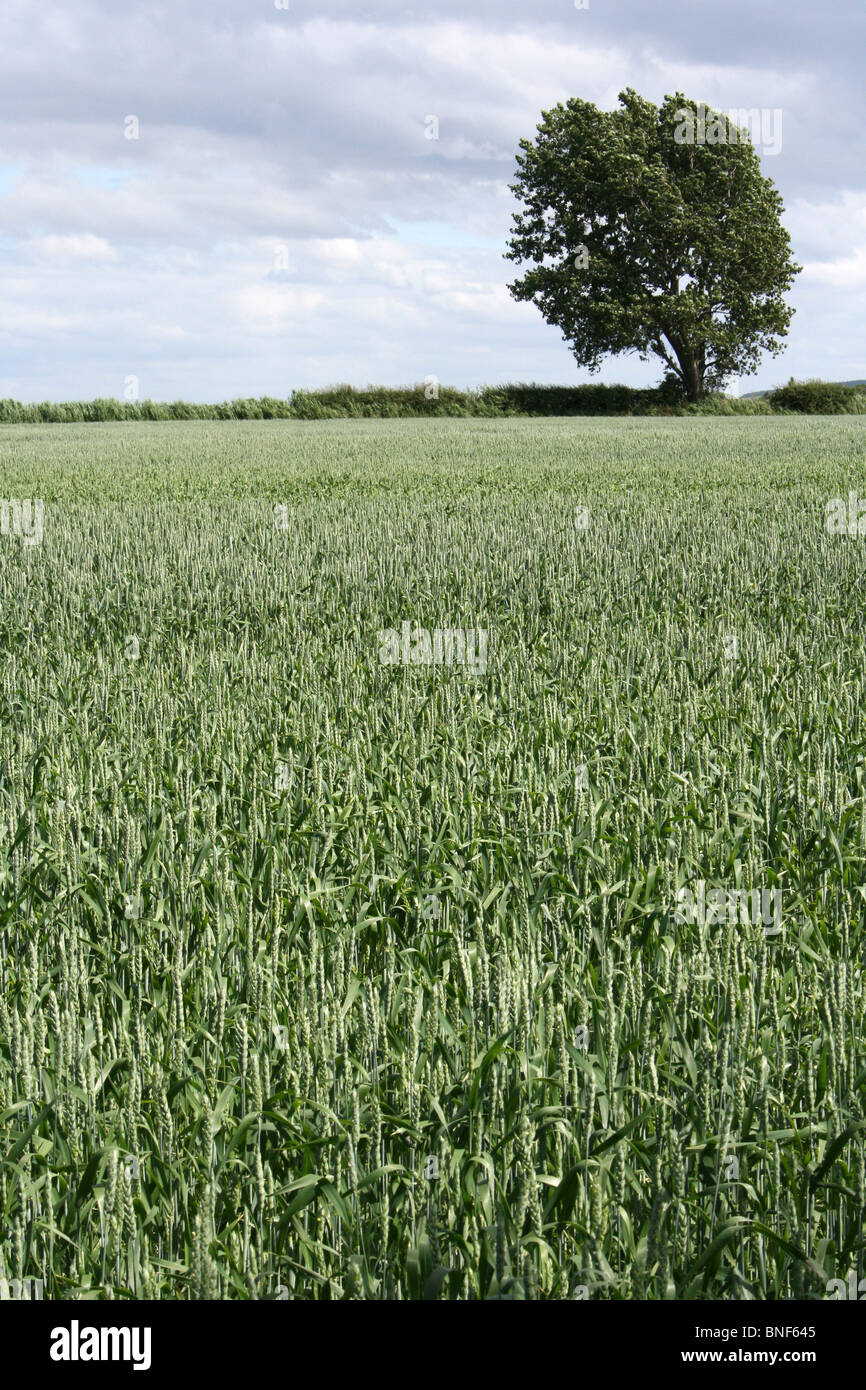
(307, 124)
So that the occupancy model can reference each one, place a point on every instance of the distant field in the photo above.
(331, 968)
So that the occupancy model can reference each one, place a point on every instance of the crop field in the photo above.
(432, 860)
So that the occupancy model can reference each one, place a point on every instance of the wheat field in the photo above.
(336, 965)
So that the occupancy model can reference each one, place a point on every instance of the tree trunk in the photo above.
(691, 360)
(694, 378)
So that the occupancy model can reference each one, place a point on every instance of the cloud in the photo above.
(847, 273)
(275, 308)
(282, 218)
(83, 247)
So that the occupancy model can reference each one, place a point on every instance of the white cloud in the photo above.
(848, 273)
(270, 308)
(81, 247)
(265, 129)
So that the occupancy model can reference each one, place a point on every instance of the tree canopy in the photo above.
(643, 234)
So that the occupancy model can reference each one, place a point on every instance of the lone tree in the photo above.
(651, 230)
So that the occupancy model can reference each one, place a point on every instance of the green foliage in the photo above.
(386, 402)
(639, 242)
(728, 405)
(350, 402)
(819, 398)
(103, 410)
(579, 400)
(281, 1032)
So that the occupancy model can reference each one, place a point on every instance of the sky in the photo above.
(223, 198)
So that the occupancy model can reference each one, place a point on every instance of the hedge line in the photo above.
(349, 402)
